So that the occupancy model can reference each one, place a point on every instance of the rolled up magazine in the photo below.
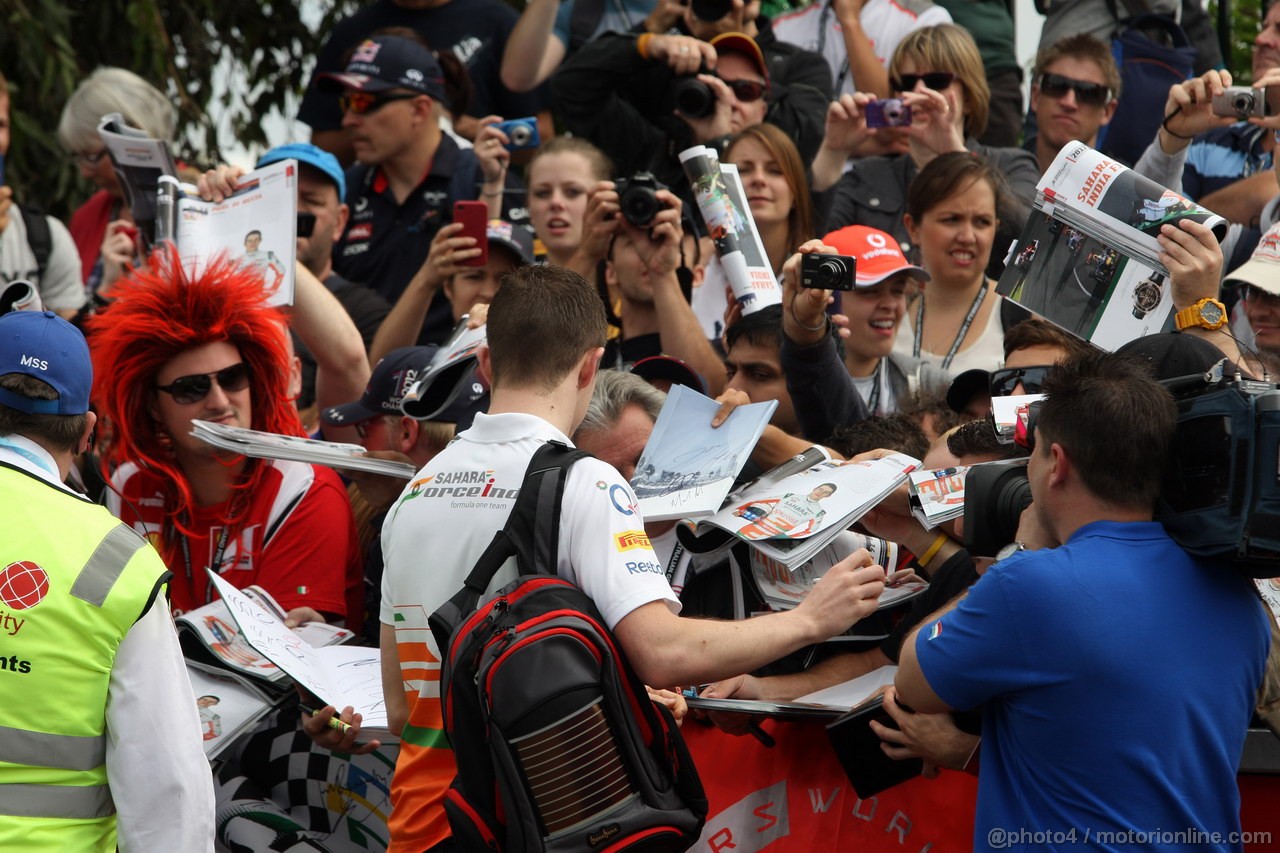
(450, 372)
(269, 445)
(1088, 259)
(723, 207)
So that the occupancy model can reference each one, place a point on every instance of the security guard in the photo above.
(99, 734)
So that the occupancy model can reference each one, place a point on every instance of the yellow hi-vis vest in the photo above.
(73, 580)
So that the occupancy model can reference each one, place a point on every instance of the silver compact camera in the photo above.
(1243, 102)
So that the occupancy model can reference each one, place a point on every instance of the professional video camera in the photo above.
(1220, 494)
(1220, 497)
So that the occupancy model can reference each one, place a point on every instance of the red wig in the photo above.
(160, 311)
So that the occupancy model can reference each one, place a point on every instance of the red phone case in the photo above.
(474, 216)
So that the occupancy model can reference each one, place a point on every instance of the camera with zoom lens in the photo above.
(1242, 102)
(693, 98)
(995, 494)
(828, 272)
(522, 133)
(887, 112)
(638, 198)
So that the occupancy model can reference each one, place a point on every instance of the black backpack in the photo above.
(557, 744)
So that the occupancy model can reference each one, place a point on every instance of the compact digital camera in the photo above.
(522, 133)
(638, 198)
(887, 112)
(1243, 102)
(828, 272)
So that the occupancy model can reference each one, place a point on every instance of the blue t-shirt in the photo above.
(1119, 677)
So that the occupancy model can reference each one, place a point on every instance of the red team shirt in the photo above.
(298, 541)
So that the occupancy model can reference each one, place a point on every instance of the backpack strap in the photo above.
(39, 238)
(532, 531)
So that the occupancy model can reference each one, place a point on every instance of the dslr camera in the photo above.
(1242, 102)
(887, 112)
(522, 133)
(638, 198)
(693, 98)
(828, 272)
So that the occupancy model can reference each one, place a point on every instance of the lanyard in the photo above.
(674, 562)
(42, 464)
(223, 536)
(964, 327)
(873, 402)
(823, 17)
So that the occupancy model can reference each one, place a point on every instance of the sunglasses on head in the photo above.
(192, 389)
(1255, 295)
(936, 80)
(747, 90)
(363, 103)
(1003, 381)
(1057, 86)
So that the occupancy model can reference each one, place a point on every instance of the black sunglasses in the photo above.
(362, 103)
(1003, 381)
(1057, 86)
(186, 390)
(747, 90)
(307, 224)
(936, 80)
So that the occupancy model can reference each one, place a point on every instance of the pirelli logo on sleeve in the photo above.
(631, 540)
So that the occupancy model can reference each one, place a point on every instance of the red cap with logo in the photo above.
(877, 253)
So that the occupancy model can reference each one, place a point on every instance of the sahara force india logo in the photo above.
(458, 484)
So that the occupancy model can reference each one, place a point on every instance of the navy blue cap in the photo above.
(43, 345)
(391, 378)
(388, 62)
(305, 152)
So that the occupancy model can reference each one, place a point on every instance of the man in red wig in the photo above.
(174, 347)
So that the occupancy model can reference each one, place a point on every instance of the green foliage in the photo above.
(188, 48)
(1246, 16)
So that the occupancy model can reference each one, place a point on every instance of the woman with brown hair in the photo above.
(938, 73)
(955, 322)
(776, 188)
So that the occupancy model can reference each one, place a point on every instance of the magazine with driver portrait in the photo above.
(228, 708)
(790, 520)
(783, 588)
(212, 641)
(1088, 259)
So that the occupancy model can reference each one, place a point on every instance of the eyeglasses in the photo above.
(186, 390)
(363, 103)
(1003, 381)
(306, 224)
(1256, 295)
(1057, 86)
(89, 159)
(936, 80)
(747, 90)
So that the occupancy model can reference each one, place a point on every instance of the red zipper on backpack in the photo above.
(626, 843)
(484, 612)
(481, 826)
(493, 667)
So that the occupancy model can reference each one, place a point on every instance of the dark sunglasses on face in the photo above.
(363, 103)
(936, 80)
(1256, 295)
(747, 90)
(186, 390)
(1003, 381)
(306, 224)
(1057, 86)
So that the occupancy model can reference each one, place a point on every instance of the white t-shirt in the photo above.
(886, 22)
(986, 353)
(60, 288)
(448, 514)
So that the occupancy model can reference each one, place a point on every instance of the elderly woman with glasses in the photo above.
(937, 73)
(103, 227)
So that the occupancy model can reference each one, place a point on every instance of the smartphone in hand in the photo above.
(474, 216)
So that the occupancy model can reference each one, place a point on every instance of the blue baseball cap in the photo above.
(43, 345)
(317, 158)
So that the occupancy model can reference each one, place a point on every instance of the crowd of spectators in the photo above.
(406, 107)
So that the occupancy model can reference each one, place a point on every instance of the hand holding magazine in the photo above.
(1088, 259)
(450, 371)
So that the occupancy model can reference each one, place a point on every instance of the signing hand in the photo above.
(318, 729)
(849, 591)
